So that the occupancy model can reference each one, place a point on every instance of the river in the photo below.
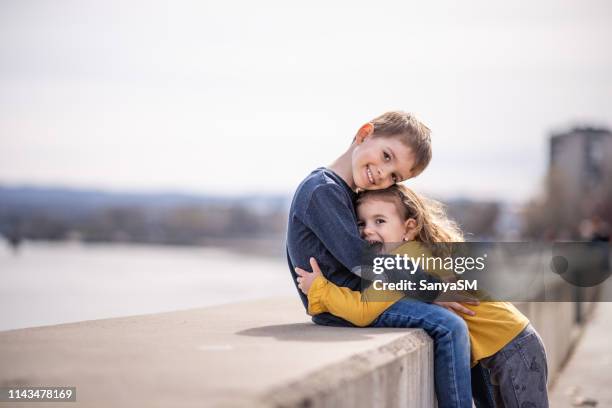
(49, 283)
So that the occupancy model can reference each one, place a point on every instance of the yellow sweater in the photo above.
(494, 325)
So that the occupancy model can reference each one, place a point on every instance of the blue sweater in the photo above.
(322, 224)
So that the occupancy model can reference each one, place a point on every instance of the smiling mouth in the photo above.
(375, 246)
(370, 176)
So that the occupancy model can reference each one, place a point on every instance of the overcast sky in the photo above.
(244, 96)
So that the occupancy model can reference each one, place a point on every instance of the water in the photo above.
(51, 283)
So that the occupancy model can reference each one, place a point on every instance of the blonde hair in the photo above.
(435, 229)
(410, 131)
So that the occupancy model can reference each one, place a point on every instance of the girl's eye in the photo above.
(386, 156)
(360, 224)
(395, 178)
(380, 221)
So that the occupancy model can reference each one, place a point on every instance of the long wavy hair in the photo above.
(435, 229)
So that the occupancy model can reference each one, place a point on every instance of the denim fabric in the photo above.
(519, 372)
(451, 347)
(482, 390)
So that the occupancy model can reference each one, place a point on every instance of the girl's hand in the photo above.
(306, 278)
(458, 307)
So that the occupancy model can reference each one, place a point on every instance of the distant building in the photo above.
(578, 196)
(581, 161)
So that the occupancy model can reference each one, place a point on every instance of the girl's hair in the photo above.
(434, 229)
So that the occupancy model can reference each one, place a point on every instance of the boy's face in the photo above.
(379, 162)
(380, 222)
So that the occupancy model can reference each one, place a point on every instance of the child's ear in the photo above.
(364, 132)
(410, 227)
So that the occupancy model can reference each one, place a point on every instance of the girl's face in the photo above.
(379, 221)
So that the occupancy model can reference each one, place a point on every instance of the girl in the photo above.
(502, 339)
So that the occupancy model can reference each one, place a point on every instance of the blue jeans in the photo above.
(516, 375)
(451, 347)
(482, 389)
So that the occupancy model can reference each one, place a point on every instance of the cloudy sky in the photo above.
(242, 96)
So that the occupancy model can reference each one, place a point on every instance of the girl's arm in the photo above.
(325, 296)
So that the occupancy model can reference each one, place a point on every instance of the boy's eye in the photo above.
(360, 224)
(380, 221)
(386, 156)
(395, 178)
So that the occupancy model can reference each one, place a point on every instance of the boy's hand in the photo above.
(306, 278)
(458, 307)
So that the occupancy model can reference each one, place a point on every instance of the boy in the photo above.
(322, 224)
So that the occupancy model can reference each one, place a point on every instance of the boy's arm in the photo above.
(332, 220)
(329, 216)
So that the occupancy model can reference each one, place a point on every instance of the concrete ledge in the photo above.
(265, 353)
(396, 374)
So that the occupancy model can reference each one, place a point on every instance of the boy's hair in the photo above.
(434, 227)
(410, 131)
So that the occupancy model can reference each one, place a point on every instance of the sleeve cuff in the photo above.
(315, 296)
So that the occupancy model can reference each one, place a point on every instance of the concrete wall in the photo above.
(254, 354)
(265, 353)
(397, 374)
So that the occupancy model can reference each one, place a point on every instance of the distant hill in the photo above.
(74, 202)
(171, 218)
